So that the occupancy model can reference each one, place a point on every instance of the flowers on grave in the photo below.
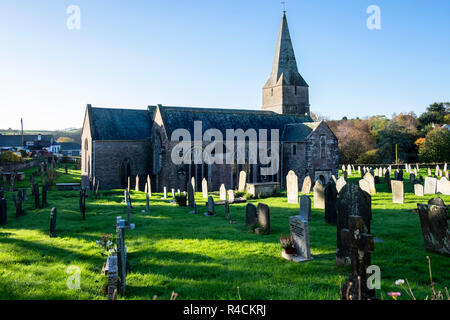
(394, 295)
(107, 245)
(287, 244)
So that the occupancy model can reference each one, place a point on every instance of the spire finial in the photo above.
(283, 3)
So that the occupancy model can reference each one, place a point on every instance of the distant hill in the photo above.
(72, 133)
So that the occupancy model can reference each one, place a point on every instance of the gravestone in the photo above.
(36, 196)
(227, 210)
(340, 183)
(223, 192)
(292, 187)
(299, 230)
(351, 201)
(173, 195)
(400, 175)
(418, 190)
(330, 203)
(306, 187)
(319, 196)
(149, 186)
(230, 196)
(250, 215)
(165, 193)
(430, 185)
(210, 207)
(263, 216)
(364, 185)
(429, 172)
(412, 178)
(345, 175)
(122, 255)
(204, 188)
(435, 223)
(147, 203)
(333, 178)
(44, 195)
(398, 194)
(113, 277)
(190, 192)
(369, 178)
(3, 212)
(53, 223)
(242, 181)
(18, 204)
(349, 170)
(305, 207)
(82, 203)
(360, 244)
(443, 186)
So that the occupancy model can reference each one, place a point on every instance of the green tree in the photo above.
(394, 134)
(435, 113)
(436, 147)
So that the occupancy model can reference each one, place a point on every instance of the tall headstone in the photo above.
(190, 192)
(165, 193)
(292, 187)
(430, 185)
(352, 201)
(435, 223)
(263, 216)
(242, 181)
(53, 223)
(227, 210)
(369, 177)
(250, 215)
(193, 184)
(299, 230)
(305, 207)
(398, 192)
(36, 196)
(330, 203)
(223, 192)
(210, 207)
(319, 195)
(204, 188)
(306, 187)
(3, 212)
(230, 196)
(340, 183)
(147, 203)
(149, 186)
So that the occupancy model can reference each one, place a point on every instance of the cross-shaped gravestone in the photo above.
(360, 245)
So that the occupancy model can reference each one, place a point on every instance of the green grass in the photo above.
(200, 257)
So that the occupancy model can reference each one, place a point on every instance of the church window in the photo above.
(295, 90)
(322, 147)
(294, 149)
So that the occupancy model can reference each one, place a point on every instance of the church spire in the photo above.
(285, 64)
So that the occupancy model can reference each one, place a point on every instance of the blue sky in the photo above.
(217, 54)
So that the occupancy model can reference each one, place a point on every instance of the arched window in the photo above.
(322, 147)
(294, 149)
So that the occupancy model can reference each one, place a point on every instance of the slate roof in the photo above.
(16, 140)
(299, 132)
(120, 124)
(222, 119)
(70, 146)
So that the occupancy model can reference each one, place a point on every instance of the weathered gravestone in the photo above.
(36, 196)
(223, 192)
(305, 207)
(165, 193)
(147, 203)
(149, 186)
(53, 223)
(340, 183)
(113, 277)
(210, 207)
(193, 184)
(263, 216)
(365, 186)
(18, 203)
(44, 195)
(230, 196)
(330, 203)
(412, 178)
(82, 203)
(319, 196)
(3, 212)
(306, 187)
(359, 243)
(435, 223)
(352, 201)
(204, 188)
(292, 187)
(418, 190)
(387, 179)
(242, 181)
(398, 194)
(190, 192)
(299, 230)
(430, 185)
(250, 215)
(443, 186)
(122, 263)
(227, 210)
(369, 178)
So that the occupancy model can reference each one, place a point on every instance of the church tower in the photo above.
(286, 92)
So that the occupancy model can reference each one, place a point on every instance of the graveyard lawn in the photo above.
(201, 257)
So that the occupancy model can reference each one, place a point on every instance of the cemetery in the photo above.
(224, 244)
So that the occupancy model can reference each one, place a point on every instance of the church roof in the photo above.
(284, 66)
(120, 124)
(299, 132)
(222, 119)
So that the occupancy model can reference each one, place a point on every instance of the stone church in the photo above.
(122, 143)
